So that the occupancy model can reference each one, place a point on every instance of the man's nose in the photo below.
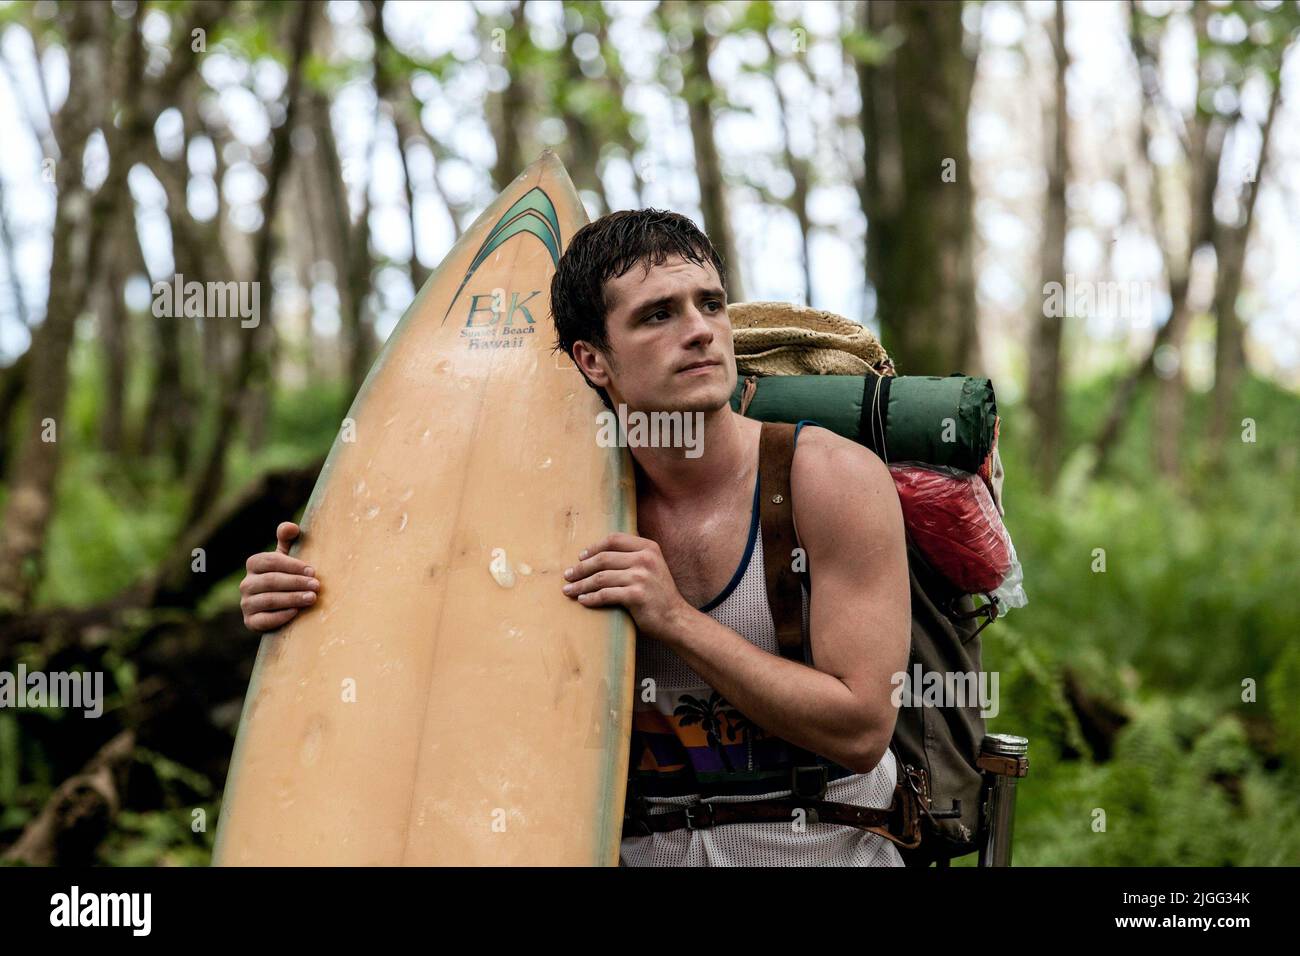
(698, 329)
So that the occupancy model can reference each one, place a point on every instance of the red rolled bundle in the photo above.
(955, 524)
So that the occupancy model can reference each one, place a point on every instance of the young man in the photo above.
(640, 305)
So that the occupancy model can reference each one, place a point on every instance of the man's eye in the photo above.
(655, 315)
(715, 302)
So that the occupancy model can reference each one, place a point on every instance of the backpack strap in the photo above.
(776, 520)
(810, 775)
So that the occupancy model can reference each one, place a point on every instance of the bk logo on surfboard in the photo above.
(494, 323)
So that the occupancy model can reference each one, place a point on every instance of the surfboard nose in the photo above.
(548, 167)
(547, 161)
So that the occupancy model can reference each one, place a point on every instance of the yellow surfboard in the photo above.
(443, 702)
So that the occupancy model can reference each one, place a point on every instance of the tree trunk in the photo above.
(1202, 149)
(114, 335)
(618, 126)
(116, 207)
(349, 246)
(582, 145)
(251, 365)
(1044, 392)
(13, 385)
(168, 421)
(31, 494)
(1229, 353)
(361, 342)
(512, 103)
(400, 113)
(700, 93)
(800, 171)
(917, 192)
(1171, 387)
(196, 251)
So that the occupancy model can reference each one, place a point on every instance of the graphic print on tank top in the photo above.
(688, 739)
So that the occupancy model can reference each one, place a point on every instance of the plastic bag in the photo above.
(951, 516)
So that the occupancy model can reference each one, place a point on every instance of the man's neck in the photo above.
(669, 478)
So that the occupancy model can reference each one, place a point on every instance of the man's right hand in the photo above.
(276, 585)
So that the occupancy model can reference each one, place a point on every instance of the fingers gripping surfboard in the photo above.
(443, 702)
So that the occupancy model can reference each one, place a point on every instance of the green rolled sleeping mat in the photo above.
(948, 421)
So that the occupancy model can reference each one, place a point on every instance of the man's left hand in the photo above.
(625, 570)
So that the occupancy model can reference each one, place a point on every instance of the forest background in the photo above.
(1094, 204)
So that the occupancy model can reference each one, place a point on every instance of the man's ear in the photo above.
(592, 363)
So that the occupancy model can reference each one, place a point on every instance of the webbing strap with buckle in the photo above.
(809, 783)
(899, 822)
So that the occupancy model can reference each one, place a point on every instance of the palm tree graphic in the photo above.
(738, 723)
(708, 714)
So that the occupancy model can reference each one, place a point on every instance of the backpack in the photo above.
(937, 748)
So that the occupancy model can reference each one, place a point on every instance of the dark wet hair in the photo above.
(608, 248)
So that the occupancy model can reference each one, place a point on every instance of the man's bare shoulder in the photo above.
(839, 483)
(824, 460)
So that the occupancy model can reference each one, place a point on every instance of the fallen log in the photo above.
(191, 675)
(79, 812)
(225, 540)
(1100, 721)
(228, 536)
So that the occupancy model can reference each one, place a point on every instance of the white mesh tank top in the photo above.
(689, 739)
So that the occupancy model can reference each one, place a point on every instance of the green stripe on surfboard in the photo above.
(534, 214)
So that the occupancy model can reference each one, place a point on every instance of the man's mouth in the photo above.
(698, 367)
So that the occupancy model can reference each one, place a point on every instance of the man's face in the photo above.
(670, 340)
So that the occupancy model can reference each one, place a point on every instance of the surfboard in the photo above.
(443, 702)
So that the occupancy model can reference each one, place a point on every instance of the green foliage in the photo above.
(1280, 699)
(871, 49)
(160, 838)
(104, 532)
(1241, 38)
(1196, 597)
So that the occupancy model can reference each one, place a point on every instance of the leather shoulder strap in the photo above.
(776, 519)
(784, 596)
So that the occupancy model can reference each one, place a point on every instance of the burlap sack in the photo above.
(779, 338)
